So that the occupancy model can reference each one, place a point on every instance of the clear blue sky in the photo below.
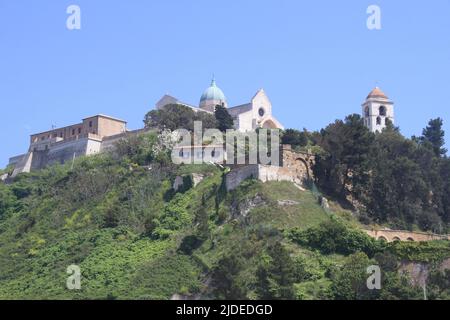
(316, 59)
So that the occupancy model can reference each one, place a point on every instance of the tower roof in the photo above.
(377, 93)
(213, 93)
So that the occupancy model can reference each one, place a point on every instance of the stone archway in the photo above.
(382, 238)
(302, 169)
(269, 124)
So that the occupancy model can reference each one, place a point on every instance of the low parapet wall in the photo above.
(296, 167)
(397, 235)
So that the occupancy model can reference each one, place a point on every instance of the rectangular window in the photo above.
(79, 130)
(73, 132)
(90, 124)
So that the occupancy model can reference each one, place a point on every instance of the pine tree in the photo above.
(434, 135)
(226, 281)
(294, 138)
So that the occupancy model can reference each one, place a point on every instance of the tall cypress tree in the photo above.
(276, 278)
(224, 119)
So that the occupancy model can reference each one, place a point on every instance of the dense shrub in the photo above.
(334, 236)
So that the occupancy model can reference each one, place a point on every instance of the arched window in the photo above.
(383, 111)
(366, 111)
(379, 121)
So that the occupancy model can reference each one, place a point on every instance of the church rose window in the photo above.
(261, 112)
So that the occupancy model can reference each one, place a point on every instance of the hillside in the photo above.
(117, 217)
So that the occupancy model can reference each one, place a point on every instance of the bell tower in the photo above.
(377, 109)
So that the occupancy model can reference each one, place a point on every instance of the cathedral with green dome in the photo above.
(247, 117)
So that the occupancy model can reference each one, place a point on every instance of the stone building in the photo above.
(247, 117)
(64, 144)
(99, 133)
(377, 109)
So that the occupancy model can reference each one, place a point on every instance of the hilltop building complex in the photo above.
(99, 133)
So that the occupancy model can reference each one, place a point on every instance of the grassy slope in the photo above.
(52, 230)
(41, 240)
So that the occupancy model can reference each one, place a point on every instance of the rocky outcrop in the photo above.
(419, 272)
(286, 203)
(197, 178)
(3, 177)
(243, 208)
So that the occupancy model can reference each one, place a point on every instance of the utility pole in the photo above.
(73, 160)
(425, 292)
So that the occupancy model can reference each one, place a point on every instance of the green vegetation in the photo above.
(175, 116)
(118, 218)
(391, 180)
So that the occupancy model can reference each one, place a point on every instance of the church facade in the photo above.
(247, 117)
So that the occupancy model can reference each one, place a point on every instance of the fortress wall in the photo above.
(65, 152)
(239, 174)
(295, 167)
(108, 143)
(269, 173)
(93, 147)
(58, 151)
(24, 164)
(40, 159)
(15, 160)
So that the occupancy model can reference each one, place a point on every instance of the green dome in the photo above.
(213, 93)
